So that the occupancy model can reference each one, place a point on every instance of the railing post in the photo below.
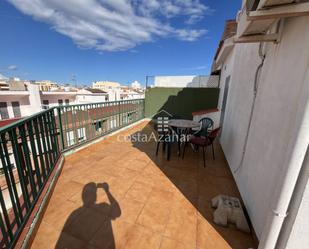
(119, 115)
(60, 127)
(144, 108)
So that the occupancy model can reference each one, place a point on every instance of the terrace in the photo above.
(76, 185)
(153, 203)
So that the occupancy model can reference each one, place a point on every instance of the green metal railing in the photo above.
(30, 149)
(85, 122)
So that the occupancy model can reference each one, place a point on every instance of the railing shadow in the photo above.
(81, 222)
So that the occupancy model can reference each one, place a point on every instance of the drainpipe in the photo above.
(284, 189)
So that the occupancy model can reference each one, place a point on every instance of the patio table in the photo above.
(183, 123)
(184, 127)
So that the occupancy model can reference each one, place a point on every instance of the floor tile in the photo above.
(208, 237)
(112, 235)
(156, 211)
(142, 238)
(182, 225)
(86, 224)
(168, 243)
(49, 237)
(130, 209)
(139, 192)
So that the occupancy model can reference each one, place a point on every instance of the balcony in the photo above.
(111, 192)
(151, 203)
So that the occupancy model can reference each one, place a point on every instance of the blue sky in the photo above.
(117, 40)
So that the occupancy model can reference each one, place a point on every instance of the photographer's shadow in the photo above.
(91, 220)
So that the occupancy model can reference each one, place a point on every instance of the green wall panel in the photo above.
(180, 101)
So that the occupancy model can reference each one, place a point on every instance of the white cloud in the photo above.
(193, 9)
(115, 25)
(189, 35)
(12, 67)
(202, 67)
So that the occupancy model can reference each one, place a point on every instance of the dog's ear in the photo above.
(215, 201)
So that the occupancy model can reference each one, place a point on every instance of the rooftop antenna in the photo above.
(74, 81)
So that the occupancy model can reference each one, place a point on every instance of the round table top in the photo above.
(183, 123)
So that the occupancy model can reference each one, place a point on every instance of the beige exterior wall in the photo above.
(46, 85)
(103, 85)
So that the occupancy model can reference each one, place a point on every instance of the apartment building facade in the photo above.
(29, 100)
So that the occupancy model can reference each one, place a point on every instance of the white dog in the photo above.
(228, 209)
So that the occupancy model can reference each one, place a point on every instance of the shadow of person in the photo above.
(92, 221)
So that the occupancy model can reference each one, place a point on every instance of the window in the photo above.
(98, 126)
(16, 109)
(67, 101)
(113, 123)
(70, 138)
(81, 134)
(60, 101)
(4, 110)
(106, 98)
(45, 104)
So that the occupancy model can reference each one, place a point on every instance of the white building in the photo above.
(55, 98)
(4, 85)
(14, 104)
(20, 98)
(127, 93)
(136, 85)
(264, 103)
(90, 95)
(27, 101)
(118, 92)
(186, 81)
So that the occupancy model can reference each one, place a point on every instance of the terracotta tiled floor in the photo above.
(150, 203)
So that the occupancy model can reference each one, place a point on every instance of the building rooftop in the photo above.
(93, 90)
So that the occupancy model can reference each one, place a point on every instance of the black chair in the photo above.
(206, 126)
(171, 139)
(167, 139)
(204, 142)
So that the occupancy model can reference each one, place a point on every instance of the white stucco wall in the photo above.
(90, 98)
(34, 98)
(282, 93)
(186, 81)
(53, 97)
(113, 94)
(23, 100)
